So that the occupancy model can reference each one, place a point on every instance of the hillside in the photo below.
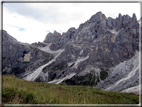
(18, 91)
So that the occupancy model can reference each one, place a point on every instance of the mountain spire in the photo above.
(98, 16)
(134, 16)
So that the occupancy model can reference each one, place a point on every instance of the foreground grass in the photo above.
(18, 91)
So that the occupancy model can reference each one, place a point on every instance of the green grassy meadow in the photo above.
(18, 91)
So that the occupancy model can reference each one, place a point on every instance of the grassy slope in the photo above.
(17, 91)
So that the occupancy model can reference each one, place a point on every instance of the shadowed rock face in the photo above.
(20, 56)
(86, 55)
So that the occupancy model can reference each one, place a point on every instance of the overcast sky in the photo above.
(31, 22)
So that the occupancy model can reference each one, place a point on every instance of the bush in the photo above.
(12, 96)
(8, 94)
(72, 65)
(15, 71)
(103, 74)
(59, 67)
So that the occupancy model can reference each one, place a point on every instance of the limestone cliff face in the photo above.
(88, 55)
(124, 75)
(59, 41)
(98, 45)
(107, 41)
(20, 56)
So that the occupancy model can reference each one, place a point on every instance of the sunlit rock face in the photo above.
(102, 52)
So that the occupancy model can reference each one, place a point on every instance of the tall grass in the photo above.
(16, 91)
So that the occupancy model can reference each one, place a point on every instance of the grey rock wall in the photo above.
(100, 52)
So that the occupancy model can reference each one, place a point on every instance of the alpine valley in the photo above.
(102, 53)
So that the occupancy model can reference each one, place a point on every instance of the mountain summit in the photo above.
(102, 52)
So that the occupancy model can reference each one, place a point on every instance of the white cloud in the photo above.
(37, 19)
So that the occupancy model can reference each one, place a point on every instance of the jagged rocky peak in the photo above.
(38, 44)
(58, 41)
(7, 37)
(71, 29)
(134, 17)
(126, 22)
(52, 37)
(98, 16)
(119, 15)
(56, 33)
(134, 23)
(66, 36)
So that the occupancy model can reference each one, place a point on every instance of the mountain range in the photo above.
(102, 52)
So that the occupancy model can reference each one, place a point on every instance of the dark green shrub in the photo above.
(72, 65)
(28, 99)
(15, 71)
(59, 67)
(46, 60)
(9, 94)
(103, 74)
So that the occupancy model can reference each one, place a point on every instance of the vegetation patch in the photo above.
(12, 95)
(15, 71)
(59, 66)
(72, 65)
(46, 60)
(45, 68)
(87, 80)
(103, 74)
(48, 57)
(18, 91)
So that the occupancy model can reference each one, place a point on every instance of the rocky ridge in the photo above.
(89, 55)
(19, 58)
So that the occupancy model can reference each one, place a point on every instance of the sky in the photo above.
(31, 22)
